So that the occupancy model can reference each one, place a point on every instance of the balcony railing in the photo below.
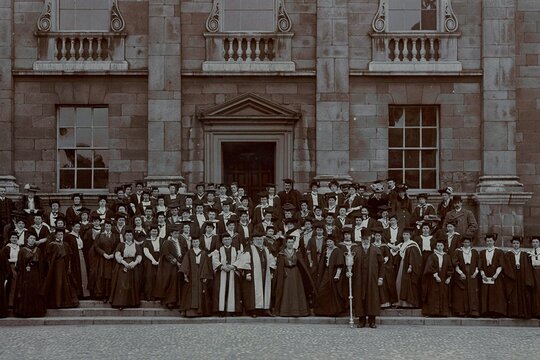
(414, 52)
(81, 51)
(257, 52)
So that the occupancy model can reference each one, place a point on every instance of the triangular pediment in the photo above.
(248, 107)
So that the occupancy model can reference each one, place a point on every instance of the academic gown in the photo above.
(5, 275)
(367, 269)
(465, 293)
(125, 285)
(227, 296)
(169, 283)
(328, 301)
(31, 273)
(59, 286)
(150, 270)
(75, 260)
(292, 285)
(518, 282)
(104, 267)
(258, 291)
(387, 292)
(197, 295)
(435, 295)
(535, 261)
(492, 296)
(407, 284)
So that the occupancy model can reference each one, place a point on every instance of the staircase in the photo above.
(97, 313)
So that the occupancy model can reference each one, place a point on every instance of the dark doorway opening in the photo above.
(251, 164)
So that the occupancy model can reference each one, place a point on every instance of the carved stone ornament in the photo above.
(450, 20)
(117, 21)
(44, 20)
(284, 23)
(379, 21)
(212, 22)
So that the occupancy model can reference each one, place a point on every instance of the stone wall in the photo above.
(295, 93)
(302, 14)
(528, 106)
(459, 127)
(26, 14)
(34, 138)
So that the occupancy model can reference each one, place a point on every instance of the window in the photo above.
(413, 144)
(83, 143)
(248, 15)
(406, 15)
(89, 15)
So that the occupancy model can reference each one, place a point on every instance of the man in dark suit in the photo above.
(314, 198)
(289, 195)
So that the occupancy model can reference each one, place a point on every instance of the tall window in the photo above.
(248, 15)
(407, 15)
(83, 143)
(413, 144)
(84, 15)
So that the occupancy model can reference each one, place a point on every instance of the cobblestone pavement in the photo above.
(267, 341)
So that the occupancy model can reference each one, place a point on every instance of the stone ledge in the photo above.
(340, 321)
(20, 72)
(428, 66)
(253, 66)
(80, 66)
(357, 72)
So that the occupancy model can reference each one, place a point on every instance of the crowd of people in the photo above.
(219, 252)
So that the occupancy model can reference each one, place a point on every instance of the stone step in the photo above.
(342, 321)
(97, 308)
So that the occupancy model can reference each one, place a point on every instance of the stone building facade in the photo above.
(433, 92)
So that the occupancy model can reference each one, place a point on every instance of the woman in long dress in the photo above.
(410, 271)
(79, 269)
(197, 269)
(125, 290)
(328, 301)
(492, 291)
(11, 252)
(292, 283)
(31, 269)
(465, 285)
(152, 253)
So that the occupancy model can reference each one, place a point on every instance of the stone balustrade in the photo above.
(414, 52)
(256, 52)
(81, 51)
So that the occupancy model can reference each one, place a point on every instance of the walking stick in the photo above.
(349, 261)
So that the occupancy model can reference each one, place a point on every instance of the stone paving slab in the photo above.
(385, 321)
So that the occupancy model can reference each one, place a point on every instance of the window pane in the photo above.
(412, 178)
(395, 137)
(101, 137)
(429, 19)
(397, 175)
(66, 159)
(66, 116)
(429, 116)
(429, 159)
(429, 137)
(429, 179)
(84, 158)
(412, 137)
(101, 159)
(412, 159)
(395, 159)
(84, 179)
(83, 117)
(101, 117)
(66, 137)
(397, 117)
(84, 137)
(67, 179)
(101, 179)
(412, 116)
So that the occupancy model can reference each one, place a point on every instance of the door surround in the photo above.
(248, 118)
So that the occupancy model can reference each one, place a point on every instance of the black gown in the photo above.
(29, 301)
(125, 288)
(59, 287)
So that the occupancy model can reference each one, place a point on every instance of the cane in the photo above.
(349, 261)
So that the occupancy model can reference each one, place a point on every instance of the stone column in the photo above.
(332, 141)
(164, 93)
(499, 193)
(6, 97)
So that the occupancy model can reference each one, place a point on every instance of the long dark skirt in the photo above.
(125, 290)
(293, 300)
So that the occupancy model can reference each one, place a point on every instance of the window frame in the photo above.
(55, 19)
(420, 148)
(76, 148)
(222, 23)
(438, 19)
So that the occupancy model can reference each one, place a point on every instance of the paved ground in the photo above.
(267, 341)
